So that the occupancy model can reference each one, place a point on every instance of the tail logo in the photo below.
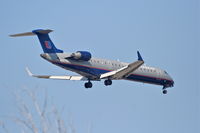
(48, 44)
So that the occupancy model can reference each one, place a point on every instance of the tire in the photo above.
(164, 91)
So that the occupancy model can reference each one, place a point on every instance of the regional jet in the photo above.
(91, 69)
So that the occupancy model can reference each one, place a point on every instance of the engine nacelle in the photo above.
(81, 55)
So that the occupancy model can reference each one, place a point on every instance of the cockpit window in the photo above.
(165, 72)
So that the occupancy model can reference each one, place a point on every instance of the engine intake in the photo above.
(81, 55)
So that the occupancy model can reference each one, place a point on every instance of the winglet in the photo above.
(139, 56)
(29, 72)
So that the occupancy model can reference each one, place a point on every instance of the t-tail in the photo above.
(45, 41)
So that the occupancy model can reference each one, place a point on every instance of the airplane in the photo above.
(96, 69)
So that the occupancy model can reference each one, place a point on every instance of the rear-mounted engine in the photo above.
(81, 55)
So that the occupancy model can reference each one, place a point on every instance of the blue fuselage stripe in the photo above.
(99, 71)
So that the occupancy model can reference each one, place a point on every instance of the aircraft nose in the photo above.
(171, 81)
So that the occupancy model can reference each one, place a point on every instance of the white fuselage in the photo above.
(95, 66)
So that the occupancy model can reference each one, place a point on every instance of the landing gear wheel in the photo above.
(164, 91)
(88, 85)
(108, 82)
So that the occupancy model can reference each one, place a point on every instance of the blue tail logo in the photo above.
(48, 44)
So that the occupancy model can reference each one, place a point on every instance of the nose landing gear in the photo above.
(164, 90)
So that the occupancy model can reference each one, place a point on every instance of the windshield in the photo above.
(165, 72)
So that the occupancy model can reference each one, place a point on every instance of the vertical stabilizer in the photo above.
(45, 41)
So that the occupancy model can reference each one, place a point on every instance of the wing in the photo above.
(124, 71)
(57, 77)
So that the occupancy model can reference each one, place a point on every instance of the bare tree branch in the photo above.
(40, 112)
(4, 127)
(25, 113)
(34, 118)
(45, 104)
(72, 128)
(59, 122)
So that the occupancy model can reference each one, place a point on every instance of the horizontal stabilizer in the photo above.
(34, 32)
(23, 34)
(42, 31)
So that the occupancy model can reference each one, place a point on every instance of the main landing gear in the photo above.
(88, 84)
(108, 82)
(164, 90)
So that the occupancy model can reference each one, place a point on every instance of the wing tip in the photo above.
(139, 56)
(29, 72)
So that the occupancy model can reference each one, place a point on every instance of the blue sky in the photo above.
(164, 31)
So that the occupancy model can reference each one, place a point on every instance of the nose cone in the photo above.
(171, 81)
